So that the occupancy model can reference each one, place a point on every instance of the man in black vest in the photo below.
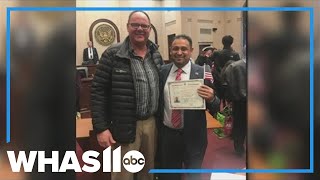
(125, 94)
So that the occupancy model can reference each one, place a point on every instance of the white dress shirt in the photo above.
(172, 77)
(90, 53)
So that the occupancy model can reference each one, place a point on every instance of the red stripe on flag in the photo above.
(208, 76)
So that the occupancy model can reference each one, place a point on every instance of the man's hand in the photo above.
(206, 92)
(105, 138)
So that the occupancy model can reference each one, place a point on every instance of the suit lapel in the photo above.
(195, 72)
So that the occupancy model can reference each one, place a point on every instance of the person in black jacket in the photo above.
(206, 57)
(236, 92)
(221, 59)
(125, 94)
(227, 53)
(90, 55)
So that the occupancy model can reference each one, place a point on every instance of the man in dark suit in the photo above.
(183, 133)
(90, 55)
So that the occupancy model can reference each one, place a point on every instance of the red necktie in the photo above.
(176, 114)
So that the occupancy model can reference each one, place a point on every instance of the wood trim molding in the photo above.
(155, 34)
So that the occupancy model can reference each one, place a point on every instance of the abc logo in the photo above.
(133, 161)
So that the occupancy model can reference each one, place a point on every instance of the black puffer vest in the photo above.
(113, 94)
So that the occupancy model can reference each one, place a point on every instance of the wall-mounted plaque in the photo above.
(104, 34)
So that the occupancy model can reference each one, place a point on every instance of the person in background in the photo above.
(206, 57)
(221, 59)
(78, 87)
(125, 94)
(235, 77)
(227, 53)
(183, 133)
(90, 55)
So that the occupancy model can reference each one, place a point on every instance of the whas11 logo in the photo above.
(133, 161)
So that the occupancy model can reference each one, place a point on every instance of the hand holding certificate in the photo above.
(184, 95)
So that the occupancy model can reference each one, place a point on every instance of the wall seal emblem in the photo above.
(104, 34)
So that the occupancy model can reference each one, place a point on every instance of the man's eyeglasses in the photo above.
(137, 25)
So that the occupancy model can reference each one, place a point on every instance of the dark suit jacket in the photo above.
(86, 59)
(195, 124)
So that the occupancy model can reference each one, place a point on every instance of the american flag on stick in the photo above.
(207, 73)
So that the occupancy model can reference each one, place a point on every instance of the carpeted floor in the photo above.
(220, 155)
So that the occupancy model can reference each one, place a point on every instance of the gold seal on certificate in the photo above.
(184, 95)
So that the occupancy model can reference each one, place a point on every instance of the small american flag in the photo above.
(207, 73)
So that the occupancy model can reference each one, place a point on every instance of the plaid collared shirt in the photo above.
(146, 81)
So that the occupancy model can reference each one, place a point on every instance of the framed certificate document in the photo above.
(184, 95)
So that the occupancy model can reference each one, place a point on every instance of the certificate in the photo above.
(184, 95)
